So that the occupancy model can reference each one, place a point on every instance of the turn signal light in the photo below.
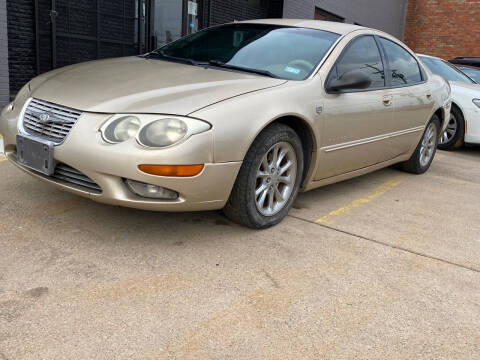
(172, 170)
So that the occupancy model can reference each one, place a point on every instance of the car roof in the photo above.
(335, 27)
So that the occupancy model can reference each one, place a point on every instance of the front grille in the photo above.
(71, 175)
(49, 121)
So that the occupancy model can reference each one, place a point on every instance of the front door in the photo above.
(355, 122)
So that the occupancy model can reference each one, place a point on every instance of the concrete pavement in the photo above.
(383, 266)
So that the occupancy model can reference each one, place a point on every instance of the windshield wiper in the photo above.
(161, 54)
(221, 64)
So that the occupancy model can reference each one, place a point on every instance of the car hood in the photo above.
(140, 85)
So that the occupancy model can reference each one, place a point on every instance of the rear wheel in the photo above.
(423, 155)
(452, 137)
(269, 179)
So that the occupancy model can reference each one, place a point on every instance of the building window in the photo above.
(321, 14)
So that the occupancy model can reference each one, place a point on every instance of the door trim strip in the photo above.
(371, 139)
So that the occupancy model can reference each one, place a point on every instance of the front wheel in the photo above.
(423, 155)
(269, 179)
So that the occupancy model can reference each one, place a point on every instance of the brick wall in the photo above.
(4, 83)
(444, 28)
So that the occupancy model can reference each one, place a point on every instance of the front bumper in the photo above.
(108, 165)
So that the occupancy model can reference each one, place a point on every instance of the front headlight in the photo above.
(162, 133)
(151, 130)
(476, 102)
(121, 129)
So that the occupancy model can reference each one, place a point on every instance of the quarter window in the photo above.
(362, 54)
(404, 69)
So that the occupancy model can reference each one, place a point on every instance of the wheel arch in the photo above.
(307, 136)
(442, 116)
(459, 108)
(441, 112)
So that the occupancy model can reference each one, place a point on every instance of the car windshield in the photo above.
(442, 68)
(473, 73)
(282, 52)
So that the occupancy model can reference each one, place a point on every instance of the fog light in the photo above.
(151, 191)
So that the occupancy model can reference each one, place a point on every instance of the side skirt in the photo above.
(355, 173)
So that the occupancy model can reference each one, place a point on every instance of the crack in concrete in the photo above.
(466, 267)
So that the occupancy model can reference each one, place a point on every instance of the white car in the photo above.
(464, 125)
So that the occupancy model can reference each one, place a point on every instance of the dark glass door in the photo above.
(72, 31)
(172, 19)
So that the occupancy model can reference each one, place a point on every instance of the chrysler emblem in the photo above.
(44, 118)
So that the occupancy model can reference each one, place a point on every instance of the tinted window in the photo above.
(442, 68)
(288, 53)
(404, 69)
(362, 54)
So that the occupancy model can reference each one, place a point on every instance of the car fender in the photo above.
(238, 121)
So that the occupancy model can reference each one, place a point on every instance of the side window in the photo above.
(404, 69)
(363, 54)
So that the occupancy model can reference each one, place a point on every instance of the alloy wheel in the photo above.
(275, 179)
(429, 143)
(450, 131)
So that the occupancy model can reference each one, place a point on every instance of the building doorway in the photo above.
(68, 31)
(172, 19)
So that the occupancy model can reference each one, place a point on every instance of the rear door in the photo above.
(411, 98)
(355, 122)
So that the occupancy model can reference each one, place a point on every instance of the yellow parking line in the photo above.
(379, 191)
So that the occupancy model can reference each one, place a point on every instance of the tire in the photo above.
(419, 162)
(245, 205)
(453, 136)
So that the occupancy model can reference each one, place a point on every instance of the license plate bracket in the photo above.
(35, 154)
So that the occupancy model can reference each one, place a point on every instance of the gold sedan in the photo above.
(237, 117)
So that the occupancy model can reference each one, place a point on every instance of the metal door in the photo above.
(72, 31)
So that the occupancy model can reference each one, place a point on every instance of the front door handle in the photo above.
(387, 100)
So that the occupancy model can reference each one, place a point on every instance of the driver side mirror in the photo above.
(351, 80)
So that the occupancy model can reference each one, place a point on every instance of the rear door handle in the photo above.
(429, 95)
(387, 100)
